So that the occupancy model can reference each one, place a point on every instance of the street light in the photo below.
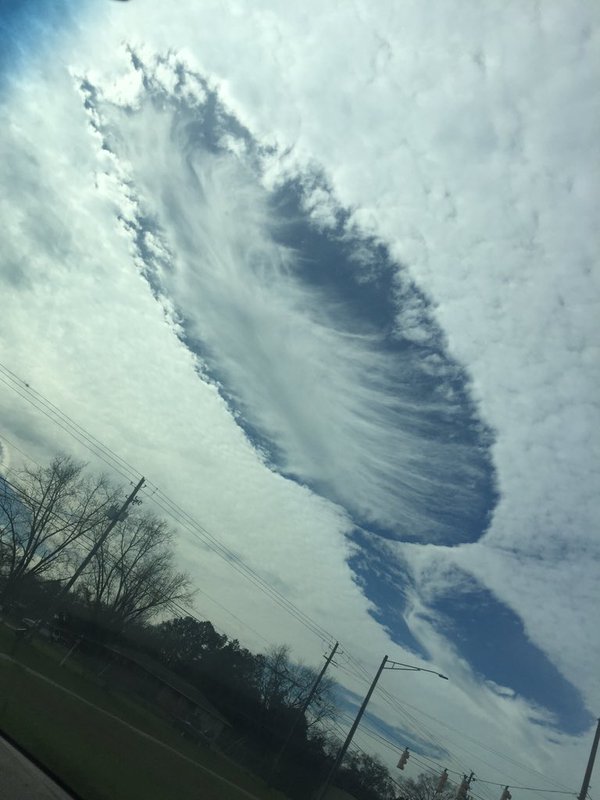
(410, 668)
(385, 664)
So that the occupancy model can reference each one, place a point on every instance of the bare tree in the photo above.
(424, 787)
(367, 777)
(284, 683)
(132, 576)
(275, 680)
(45, 512)
(323, 706)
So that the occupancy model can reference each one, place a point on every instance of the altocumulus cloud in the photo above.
(462, 145)
(340, 398)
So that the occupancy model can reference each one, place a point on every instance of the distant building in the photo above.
(187, 707)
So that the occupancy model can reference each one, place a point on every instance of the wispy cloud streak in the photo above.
(369, 417)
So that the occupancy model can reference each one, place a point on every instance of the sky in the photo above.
(326, 274)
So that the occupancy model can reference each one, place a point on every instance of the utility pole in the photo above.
(506, 795)
(588, 773)
(464, 787)
(117, 517)
(385, 664)
(344, 747)
(302, 711)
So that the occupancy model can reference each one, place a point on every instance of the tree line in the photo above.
(50, 519)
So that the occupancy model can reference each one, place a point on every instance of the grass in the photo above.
(99, 757)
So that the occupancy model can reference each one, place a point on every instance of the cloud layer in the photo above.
(463, 141)
(342, 400)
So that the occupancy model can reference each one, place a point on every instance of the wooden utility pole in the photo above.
(461, 794)
(116, 517)
(385, 664)
(303, 710)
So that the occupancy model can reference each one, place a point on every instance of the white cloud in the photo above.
(464, 137)
(274, 339)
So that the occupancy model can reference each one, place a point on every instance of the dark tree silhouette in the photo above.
(132, 575)
(46, 514)
(184, 641)
(366, 777)
(424, 787)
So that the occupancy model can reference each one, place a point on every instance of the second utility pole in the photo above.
(302, 710)
(344, 747)
(588, 773)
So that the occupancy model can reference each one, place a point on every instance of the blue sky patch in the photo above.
(26, 25)
(396, 734)
(491, 637)
(413, 434)
(385, 583)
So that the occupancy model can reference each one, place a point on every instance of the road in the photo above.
(237, 791)
(20, 779)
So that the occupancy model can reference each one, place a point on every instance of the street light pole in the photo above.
(588, 773)
(344, 747)
(385, 664)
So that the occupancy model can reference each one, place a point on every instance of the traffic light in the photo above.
(506, 795)
(442, 781)
(403, 758)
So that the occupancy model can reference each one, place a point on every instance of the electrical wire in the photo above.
(177, 607)
(526, 788)
(357, 668)
(402, 709)
(245, 625)
(174, 605)
(510, 759)
(37, 399)
(425, 732)
(399, 706)
(395, 746)
(167, 505)
(353, 666)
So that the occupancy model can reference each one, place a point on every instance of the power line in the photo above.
(237, 563)
(401, 708)
(428, 734)
(175, 605)
(425, 732)
(182, 518)
(178, 607)
(127, 471)
(35, 398)
(231, 614)
(167, 505)
(394, 746)
(485, 747)
(358, 670)
(381, 739)
(525, 788)
(66, 429)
